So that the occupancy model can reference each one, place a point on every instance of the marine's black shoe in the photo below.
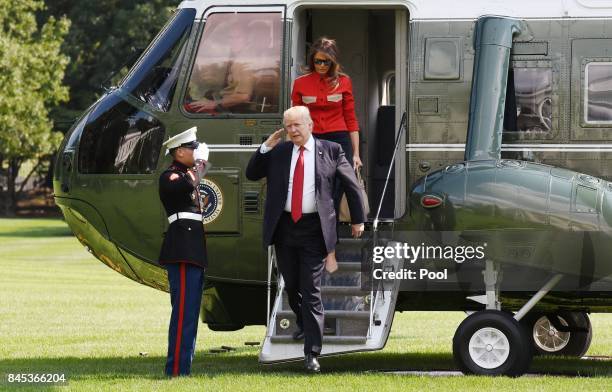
(312, 364)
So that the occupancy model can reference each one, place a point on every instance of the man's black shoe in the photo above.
(312, 364)
(298, 335)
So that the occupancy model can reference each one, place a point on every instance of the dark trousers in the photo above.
(186, 284)
(344, 140)
(300, 251)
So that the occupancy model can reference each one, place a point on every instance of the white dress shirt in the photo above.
(309, 204)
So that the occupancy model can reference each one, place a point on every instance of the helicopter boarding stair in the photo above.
(356, 319)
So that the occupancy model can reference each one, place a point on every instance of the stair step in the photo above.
(342, 278)
(353, 241)
(326, 339)
(352, 250)
(340, 290)
(346, 258)
(348, 266)
(345, 314)
(337, 302)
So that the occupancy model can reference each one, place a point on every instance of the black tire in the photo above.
(518, 348)
(572, 344)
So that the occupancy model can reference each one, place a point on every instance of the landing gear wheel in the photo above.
(492, 342)
(547, 340)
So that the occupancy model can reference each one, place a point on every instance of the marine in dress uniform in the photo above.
(183, 251)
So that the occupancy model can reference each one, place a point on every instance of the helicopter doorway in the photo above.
(358, 311)
(373, 52)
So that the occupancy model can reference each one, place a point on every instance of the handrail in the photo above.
(280, 286)
(271, 256)
(402, 127)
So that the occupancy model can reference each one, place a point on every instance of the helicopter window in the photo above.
(120, 140)
(598, 94)
(237, 67)
(155, 77)
(442, 59)
(533, 99)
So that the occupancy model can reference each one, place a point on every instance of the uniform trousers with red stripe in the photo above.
(186, 284)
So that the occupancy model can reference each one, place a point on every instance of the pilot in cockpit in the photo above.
(225, 85)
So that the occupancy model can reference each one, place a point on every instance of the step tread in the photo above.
(344, 290)
(348, 266)
(351, 240)
(326, 339)
(361, 314)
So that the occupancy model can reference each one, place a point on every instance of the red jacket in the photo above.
(331, 109)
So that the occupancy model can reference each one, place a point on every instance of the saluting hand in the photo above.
(198, 171)
(274, 139)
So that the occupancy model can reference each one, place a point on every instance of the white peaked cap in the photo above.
(180, 139)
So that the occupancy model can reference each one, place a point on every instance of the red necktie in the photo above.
(298, 187)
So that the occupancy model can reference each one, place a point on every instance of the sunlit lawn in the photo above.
(62, 311)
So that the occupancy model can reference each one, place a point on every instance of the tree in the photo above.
(31, 73)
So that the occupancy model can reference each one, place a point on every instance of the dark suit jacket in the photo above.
(330, 165)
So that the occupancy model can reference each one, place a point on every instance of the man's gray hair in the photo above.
(299, 111)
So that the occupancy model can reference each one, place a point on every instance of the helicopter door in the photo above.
(232, 92)
(373, 47)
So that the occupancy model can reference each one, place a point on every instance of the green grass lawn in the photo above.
(63, 311)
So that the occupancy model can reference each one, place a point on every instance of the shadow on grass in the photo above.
(37, 232)
(244, 363)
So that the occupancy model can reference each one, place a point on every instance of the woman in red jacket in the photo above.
(328, 94)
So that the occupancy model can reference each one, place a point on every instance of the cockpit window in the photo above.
(154, 79)
(598, 94)
(120, 139)
(237, 67)
(533, 99)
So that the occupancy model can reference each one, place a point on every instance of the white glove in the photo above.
(201, 153)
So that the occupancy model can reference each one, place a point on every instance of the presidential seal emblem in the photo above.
(212, 200)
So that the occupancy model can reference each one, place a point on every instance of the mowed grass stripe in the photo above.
(64, 311)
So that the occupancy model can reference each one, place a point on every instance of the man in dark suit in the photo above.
(299, 217)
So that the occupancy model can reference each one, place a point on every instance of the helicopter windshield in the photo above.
(119, 139)
(154, 78)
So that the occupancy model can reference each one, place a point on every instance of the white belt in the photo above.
(185, 215)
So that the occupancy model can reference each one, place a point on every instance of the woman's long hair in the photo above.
(327, 46)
